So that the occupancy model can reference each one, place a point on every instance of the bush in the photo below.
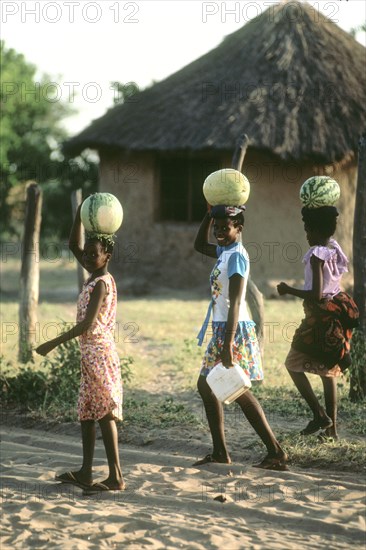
(54, 389)
(28, 388)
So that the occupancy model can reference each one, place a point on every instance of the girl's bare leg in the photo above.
(303, 385)
(84, 475)
(257, 419)
(88, 439)
(215, 417)
(110, 439)
(330, 396)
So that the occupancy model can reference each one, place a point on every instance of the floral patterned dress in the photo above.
(232, 259)
(101, 383)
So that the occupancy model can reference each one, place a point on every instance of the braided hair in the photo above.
(106, 240)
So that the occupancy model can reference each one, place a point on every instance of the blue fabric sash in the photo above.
(201, 335)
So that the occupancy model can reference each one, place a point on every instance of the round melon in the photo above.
(319, 191)
(227, 186)
(101, 213)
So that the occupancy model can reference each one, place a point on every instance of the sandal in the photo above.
(70, 478)
(316, 425)
(101, 488)
(208, 459)
(276, 464)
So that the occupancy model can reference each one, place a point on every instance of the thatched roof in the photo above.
(290, 78)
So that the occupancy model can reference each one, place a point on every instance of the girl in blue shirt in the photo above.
(234, 339)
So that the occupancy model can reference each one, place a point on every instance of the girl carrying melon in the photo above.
(234, 339)
(100, 396)
(321, 344)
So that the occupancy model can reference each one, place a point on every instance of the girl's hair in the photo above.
(238, 219)
(323, 220)
(106, 242)
(235, 214)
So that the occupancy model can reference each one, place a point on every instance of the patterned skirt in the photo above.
(246, 350)
(297, 361)
(325, 333)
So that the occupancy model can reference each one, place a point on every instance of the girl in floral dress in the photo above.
(234, 339)
(100, 396)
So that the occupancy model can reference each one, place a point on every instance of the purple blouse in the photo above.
(335, 264)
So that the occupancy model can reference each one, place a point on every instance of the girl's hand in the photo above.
(45, 348)
(227, 357)
(282, 289)
(209, 207)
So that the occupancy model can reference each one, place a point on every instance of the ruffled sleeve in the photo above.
(327, 253)
(342, 260)
(322, 252)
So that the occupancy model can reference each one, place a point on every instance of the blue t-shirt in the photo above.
(232, 259)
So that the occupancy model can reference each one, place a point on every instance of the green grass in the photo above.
(158, 332)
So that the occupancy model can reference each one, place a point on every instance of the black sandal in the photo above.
(71, 479)
(208, 459)
(316, 425)
(276, 464)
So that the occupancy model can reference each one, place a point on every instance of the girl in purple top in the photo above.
(321, 343)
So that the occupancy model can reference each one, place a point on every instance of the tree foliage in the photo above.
(31, 133)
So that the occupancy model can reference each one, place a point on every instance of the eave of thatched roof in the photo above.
(296, 86)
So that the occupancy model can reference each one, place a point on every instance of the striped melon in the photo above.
(319, 191)
(101, 213)
(227, 186)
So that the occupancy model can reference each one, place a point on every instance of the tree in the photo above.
(355, 30)
(123, 93)
(30, 135)
(358, 346)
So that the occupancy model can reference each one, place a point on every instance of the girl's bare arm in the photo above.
(317, 289)
(236, 284)
(75, 238)
(83, 326)
(201, 243)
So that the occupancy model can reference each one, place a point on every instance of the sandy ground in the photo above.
(168, 503)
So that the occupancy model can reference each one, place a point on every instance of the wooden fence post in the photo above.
(254, 296)
(76, 200)
(29, 275)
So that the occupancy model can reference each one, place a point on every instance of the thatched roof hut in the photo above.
(291, 79)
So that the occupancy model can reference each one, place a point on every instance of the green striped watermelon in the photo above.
(319, 191)
(101, 213)
(227, 186)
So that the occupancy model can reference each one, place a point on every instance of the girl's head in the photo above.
(97, 252)
(319, 223)
(228, 223)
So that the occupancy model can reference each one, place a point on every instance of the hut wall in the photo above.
(152, 254)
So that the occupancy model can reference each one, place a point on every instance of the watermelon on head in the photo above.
(226, 186)
(101, 213)
(319, 191)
